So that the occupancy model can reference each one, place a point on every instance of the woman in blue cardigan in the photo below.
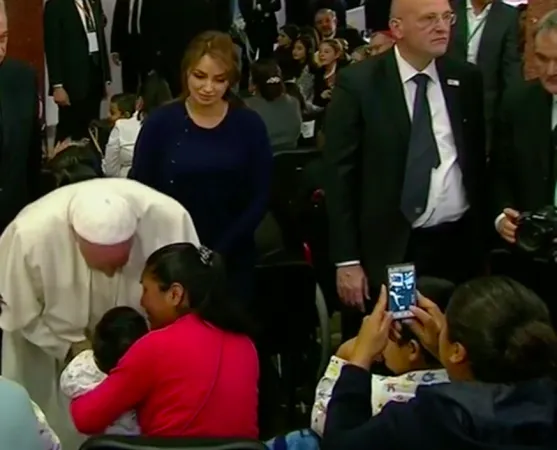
(212, 156)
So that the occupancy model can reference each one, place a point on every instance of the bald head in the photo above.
(3, 31)
(421, 28)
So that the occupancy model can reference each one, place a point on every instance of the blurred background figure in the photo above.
(77, 61)
(20, 131)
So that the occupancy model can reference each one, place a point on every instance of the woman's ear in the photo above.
(176, 292)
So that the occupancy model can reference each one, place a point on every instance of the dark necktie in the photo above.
(89, 19)
(423, 155)
(135, 17)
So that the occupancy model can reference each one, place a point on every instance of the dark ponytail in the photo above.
(505, 329)
(202, 274)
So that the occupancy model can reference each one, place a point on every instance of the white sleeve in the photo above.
(81, 375)
(21, 293)
(111, 162)
(48, 437)
(323, 394)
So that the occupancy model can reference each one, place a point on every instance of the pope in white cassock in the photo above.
(64, 261)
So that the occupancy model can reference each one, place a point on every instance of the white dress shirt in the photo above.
(476, 25)
(119, 149)
(84, 6)
(447, 197)
(130, 16)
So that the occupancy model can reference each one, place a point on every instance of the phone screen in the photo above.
(402, 290)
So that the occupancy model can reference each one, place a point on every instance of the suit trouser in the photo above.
(74, 120)
(450, 251)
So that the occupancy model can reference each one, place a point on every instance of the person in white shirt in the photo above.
(65, 260)
(121, 143)
(405, 151)
(404, 355)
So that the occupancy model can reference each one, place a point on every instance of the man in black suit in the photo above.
(77, 60)
(329, 27)
(403, 187)
(20, 132)
(486, 33)
(302, 12)
(127, 45)
(261, 25)
(170, 27)
(523, 164)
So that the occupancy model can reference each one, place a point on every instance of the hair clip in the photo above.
(205, 254)
(273, 80)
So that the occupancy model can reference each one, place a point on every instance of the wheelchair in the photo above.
(108, 442)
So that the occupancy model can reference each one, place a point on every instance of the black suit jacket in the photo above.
(367, 133)
(521, 165)
(498, 55)
(67, 48)
(377, 14)
(266, 15)
(21, 145)
(121, 41)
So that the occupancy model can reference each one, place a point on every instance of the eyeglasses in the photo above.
(431, 20)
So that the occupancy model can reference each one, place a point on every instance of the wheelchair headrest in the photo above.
(146, 443)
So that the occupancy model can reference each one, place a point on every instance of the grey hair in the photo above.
(327, 11)
(3, 8)
(545, 24)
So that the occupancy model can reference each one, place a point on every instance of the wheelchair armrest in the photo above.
(109, 442)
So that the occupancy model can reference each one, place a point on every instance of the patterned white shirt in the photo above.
(82, 375)
(383, 389)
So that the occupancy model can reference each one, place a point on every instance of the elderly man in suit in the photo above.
(486, 33)
(523, 171)
(405, 152)
(20, 131)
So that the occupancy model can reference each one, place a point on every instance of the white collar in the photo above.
(470, 7)
(407, 72)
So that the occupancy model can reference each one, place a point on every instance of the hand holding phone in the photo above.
(401, 290)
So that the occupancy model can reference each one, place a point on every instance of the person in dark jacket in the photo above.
(500, 352)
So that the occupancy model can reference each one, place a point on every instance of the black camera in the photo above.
(537, 231)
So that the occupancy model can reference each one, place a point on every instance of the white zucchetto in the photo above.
(102, 217)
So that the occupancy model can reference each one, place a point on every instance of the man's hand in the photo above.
(352, 286)
(61, 97)
(116, 58)
(506, 226)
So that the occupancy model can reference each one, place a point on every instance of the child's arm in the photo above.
(80, 375)
(323, 394)
(48, 437)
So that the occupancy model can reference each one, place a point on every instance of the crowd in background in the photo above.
(130, 251)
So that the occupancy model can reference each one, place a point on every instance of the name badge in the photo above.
(93, 42)
(308, 129)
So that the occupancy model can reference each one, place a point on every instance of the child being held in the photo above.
(115, 333)
(404, 356)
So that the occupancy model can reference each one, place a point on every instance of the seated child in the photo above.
(115, 333)
(121, 106)
(404, 356)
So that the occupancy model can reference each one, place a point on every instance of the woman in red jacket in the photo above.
(196, 373)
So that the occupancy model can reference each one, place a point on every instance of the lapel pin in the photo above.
(452, 82)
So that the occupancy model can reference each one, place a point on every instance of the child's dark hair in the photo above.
(294, 91)
(201, 273)
(439, 291)
(125, 103)
(80, 161)
(115, 333)
(266, 76)
(154, 92)
(505, 328)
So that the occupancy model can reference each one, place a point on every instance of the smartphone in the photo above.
(402, 290)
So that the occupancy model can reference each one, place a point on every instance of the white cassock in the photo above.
(50, 296)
